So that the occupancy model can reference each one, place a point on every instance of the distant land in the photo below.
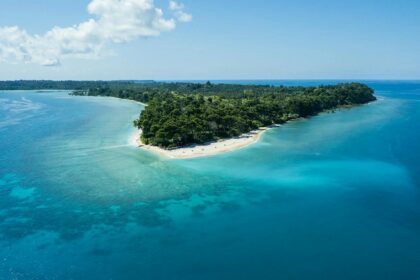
(65, 84)
(197, 119)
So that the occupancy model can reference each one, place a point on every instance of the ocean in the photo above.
(336, 196)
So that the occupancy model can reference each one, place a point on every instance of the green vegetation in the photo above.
(67, 85)
(177, 119)
(179, 114)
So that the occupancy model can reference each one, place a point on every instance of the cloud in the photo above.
(178, 9)
(113, 21)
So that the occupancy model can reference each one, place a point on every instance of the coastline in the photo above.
(204, 150)
(216, 147)
(129, 100)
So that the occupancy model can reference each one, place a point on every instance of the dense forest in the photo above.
(177, 119)
(179, 114)
(65, 85)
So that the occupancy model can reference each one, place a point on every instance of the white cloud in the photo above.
(178, 10)
(115, 21)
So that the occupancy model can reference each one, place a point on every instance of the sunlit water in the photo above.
(333, 197)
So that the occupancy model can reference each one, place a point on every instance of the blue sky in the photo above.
(298, 39)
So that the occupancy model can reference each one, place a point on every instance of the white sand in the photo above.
(214, 148)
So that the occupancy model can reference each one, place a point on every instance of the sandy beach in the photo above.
(213, 148)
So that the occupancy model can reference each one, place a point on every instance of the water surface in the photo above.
(333, 197)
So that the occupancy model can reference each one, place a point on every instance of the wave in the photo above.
(13, 112)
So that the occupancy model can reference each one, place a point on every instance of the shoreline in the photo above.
(217, 147)
(204, 150)
(128, 100)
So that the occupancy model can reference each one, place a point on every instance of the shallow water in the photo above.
(333, 197)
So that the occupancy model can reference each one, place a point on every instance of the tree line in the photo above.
(178, 119)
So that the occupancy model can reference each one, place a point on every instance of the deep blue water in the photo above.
(336, 196)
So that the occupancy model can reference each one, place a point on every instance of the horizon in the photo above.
(216, 80)
(188, 40)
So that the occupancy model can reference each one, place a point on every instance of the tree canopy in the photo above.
(177, 119)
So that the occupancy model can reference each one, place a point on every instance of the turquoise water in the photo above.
(333, 197)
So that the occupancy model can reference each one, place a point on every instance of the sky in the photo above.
(213, 39)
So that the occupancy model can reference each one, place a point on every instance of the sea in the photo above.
(335, 196)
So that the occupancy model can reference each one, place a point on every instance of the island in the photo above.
(184, 120)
